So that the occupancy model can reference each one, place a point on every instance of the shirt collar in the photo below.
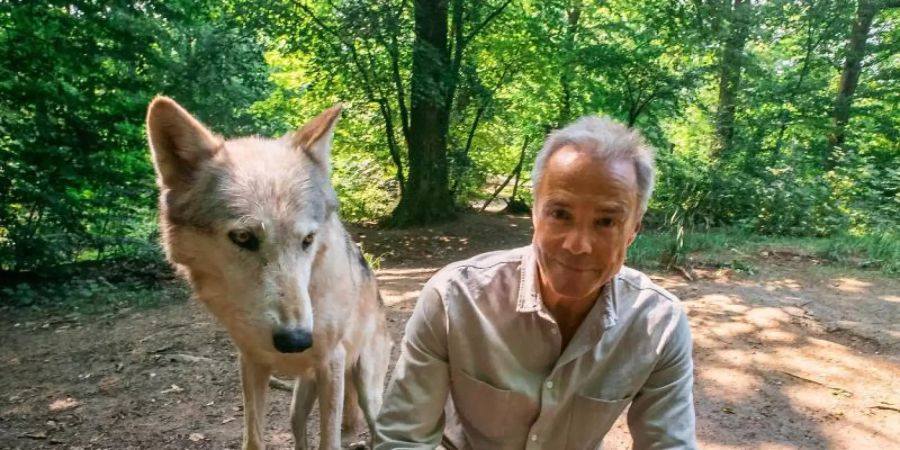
(530, 300)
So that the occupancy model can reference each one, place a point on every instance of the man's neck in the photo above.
(567, 306)
(568, 312)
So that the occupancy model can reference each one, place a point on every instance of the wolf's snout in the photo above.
(292, 340)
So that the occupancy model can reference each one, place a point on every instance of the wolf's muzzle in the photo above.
(292, 340)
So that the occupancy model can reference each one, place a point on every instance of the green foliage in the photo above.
(739, 250)
(75, 79)
(91, 296)
(880, 249)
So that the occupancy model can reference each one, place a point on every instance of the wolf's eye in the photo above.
(308, 240)
(244, 239)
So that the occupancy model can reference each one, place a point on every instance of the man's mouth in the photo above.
(575, 268)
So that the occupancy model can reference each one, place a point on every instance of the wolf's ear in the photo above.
(179, 142)
(315, 137)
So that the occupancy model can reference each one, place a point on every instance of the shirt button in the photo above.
(549, 385)
(533, 437)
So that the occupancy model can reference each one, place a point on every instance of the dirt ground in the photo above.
(795, 355)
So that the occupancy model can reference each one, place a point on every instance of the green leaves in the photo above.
(76, 77)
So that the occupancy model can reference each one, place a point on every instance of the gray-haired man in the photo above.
(542, 347)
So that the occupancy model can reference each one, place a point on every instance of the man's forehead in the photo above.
(572, 167)
(600, 203)
(570, 157)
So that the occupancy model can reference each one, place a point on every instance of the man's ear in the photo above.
(179, 143)
(637, 229)
(315, 137)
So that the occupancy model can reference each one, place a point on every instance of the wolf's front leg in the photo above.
(254, 382)
(304, 397)
(330, 386)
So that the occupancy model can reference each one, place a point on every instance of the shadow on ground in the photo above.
(791, 357)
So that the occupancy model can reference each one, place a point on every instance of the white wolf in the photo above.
(252, 224)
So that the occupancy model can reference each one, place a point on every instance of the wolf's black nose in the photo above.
(292, 340)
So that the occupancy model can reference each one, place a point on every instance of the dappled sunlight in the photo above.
(735, 308)
(758, 446)
(767, 317)
(729, 331)
(777, 336)
(728, 382)
(786, 284)
(399, 286)
(393, 298)
(669, 282)
(851, 285)
(388, 275)
(891, 298)
(771, 376)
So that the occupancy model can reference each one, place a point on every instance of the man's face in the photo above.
(585, 217)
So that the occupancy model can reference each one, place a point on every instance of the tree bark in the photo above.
(731, 62)
(427, 198)
(435, 69)
(856, 51)
(573, 16)
(811, 45)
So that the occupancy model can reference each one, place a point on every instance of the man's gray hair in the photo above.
(608, 140)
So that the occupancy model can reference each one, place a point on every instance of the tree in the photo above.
(408, 69)
(853, 64)
(736, 27)
(77, 78)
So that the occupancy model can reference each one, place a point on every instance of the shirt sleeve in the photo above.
(412, 416)
(662, 413)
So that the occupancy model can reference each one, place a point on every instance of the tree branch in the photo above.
(481, 26)
(383, 105)
(398, 86)
(510, 177)
(392, 144)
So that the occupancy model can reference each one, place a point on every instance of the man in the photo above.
(543, 347)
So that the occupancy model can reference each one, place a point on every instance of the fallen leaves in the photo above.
(174, 389)
(197, 437)
(64, 404)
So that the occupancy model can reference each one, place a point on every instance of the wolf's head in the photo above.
(244, 219)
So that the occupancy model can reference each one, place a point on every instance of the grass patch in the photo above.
(90, 296)
(738, 249)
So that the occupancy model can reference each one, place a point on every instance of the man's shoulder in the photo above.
(648, 305)
(482, 267)
(638, 282)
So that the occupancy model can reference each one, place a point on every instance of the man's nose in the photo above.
(292, 340)
(577, 242)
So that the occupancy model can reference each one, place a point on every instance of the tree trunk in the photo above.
(573, 15)
(427, 198)
(856, 50)
(731, 61)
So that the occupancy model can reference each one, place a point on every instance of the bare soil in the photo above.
(798, 354)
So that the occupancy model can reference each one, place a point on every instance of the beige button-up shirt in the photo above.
(482, 365)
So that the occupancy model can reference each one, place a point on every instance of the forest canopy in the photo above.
(776, 117)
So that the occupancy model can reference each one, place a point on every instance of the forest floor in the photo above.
(796, 353)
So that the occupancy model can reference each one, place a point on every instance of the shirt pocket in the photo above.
(591, 420)
(489, 415)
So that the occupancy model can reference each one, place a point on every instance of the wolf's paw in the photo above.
(361, 445)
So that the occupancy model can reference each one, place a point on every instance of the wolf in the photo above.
(252, 224)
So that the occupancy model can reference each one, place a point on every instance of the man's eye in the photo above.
(559, 214)
(605, 222)
(244, 239)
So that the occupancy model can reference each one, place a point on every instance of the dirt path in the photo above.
(794, 356)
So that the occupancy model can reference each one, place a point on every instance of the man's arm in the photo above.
(662, 413)
(412, 416)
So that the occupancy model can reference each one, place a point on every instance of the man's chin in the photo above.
(572, 291)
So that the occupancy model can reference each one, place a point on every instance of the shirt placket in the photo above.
(552, 389)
